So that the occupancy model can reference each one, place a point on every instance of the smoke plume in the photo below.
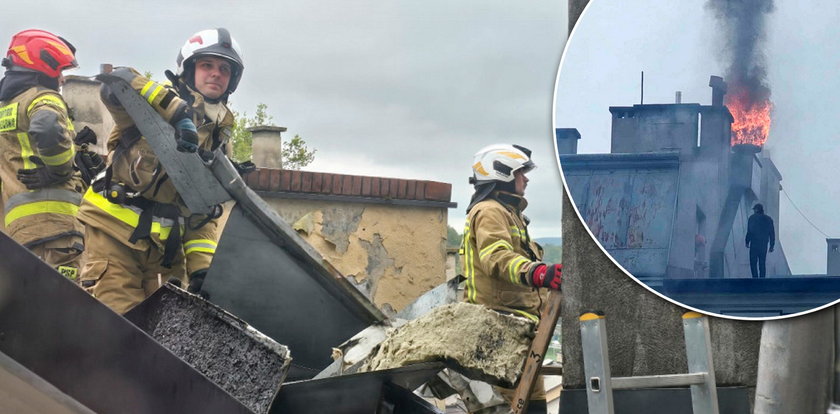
(742, 23)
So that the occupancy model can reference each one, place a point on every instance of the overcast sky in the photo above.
(397, 88)
(677, 44)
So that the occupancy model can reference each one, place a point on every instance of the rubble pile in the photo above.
(479, 342)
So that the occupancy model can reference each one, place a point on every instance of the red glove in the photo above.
(547, 275)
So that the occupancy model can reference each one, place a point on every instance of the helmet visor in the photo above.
(528, 166)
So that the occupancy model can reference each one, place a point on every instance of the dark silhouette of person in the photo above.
(760, 233)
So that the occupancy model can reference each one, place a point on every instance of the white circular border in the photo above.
(600, 246)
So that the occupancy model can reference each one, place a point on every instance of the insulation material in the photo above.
(242, 361)
(476, 341)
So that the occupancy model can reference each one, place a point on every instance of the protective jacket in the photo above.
(497, 254)
(34, 122)
(148, 217)
(760, 232)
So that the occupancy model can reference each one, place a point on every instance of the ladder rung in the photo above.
(551, 370)
(658, 381)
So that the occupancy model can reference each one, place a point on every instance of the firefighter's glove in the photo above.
(90, 164)
(42, 175)
(85, 137)
(187, 135)
(196, 281)
(547, 276)
(244, 168)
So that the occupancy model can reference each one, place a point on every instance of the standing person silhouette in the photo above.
(760, 232)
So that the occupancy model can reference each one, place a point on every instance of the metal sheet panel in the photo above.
(23, 392)
(629, 208)
(359, 393)
(196, 186)
(65, 336)
(274, 291)
(263, 272)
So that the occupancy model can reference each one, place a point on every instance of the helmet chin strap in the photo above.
(509, 187)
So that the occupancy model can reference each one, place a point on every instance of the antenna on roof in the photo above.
(642, 99)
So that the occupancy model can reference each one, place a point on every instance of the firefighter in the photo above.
(502, 264)
(40, 188)
(139, 233)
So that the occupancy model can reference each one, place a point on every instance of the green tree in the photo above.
(296, 154)
(553, 253)
(453, 239)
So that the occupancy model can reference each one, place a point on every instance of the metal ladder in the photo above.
(600, 384)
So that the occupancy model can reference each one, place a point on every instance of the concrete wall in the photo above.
(266, 145)
(653, 128)
(82, 96)
(795, 364)
(629, 202)
(705, 210)
(705, 191)
(644, 331)
(393, 254)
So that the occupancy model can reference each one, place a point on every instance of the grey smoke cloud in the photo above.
(742, 24)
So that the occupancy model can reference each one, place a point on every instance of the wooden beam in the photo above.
(533, 363)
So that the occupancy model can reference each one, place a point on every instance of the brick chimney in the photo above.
(718, 90)
(266, 145)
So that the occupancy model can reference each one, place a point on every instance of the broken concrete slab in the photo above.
(350, 355)
(242, 361)
(472, 339)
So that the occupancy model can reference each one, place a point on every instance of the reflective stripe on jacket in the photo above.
(35, 123)
(496, 256)
(140, 170)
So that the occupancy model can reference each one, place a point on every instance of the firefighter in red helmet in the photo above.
(41, 190)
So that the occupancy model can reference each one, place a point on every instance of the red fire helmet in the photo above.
(41, 51)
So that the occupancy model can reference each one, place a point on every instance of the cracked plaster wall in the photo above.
(393, 254)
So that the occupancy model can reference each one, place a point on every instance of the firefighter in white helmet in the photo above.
(501, 262)
(138, 231)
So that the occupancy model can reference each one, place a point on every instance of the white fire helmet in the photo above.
(498, 162)
(212, 42)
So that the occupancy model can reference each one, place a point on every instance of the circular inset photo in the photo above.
(699, 143)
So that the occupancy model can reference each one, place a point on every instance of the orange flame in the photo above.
(752, 118)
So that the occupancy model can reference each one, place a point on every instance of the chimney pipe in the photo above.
(833, 257)
(567, 140)
(718, 90)
(266, 144)
(678, 97)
